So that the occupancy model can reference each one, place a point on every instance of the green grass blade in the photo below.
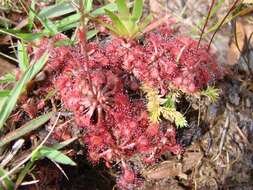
(111, 7)
(10, 102)
(123, 9)
(88, 5)
(137, 10)
(31, 15)
(214, 10)
(21, 35)
(91, 34)
(57, 10)
(54, 155)
(72, 21)
(4, 93)
(23, 59)
(68, 22)
(23, 173)
(215, 26)
(7, 182)
(25, 129)
(63, 42)
(111, 28)
(64, 143)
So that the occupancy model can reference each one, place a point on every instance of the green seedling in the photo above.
(126, 23)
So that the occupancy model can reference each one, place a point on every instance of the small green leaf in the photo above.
(123, 9)
(64, 143)
(137, 10)
(23, 59)
(119, 26)
(54, 155)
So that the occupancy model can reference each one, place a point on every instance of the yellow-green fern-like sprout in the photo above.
(154, 101)
(175, 116)
(158, 106)
(211, 93)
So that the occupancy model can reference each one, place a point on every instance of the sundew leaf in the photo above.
(53, 155)
(10, 102)
(25, 129)
(23, 59)
(137, 10)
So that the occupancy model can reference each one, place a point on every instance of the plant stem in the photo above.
(83, 41)
(221, 23)
(82, 31)
(207, 18)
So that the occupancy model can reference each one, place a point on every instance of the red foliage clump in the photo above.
(97, 89)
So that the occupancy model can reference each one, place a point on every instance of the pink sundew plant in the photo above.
(98, 89)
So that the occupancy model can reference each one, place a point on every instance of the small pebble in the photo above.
(247, 103)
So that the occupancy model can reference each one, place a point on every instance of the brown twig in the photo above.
(206, 21)
(221, 23)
